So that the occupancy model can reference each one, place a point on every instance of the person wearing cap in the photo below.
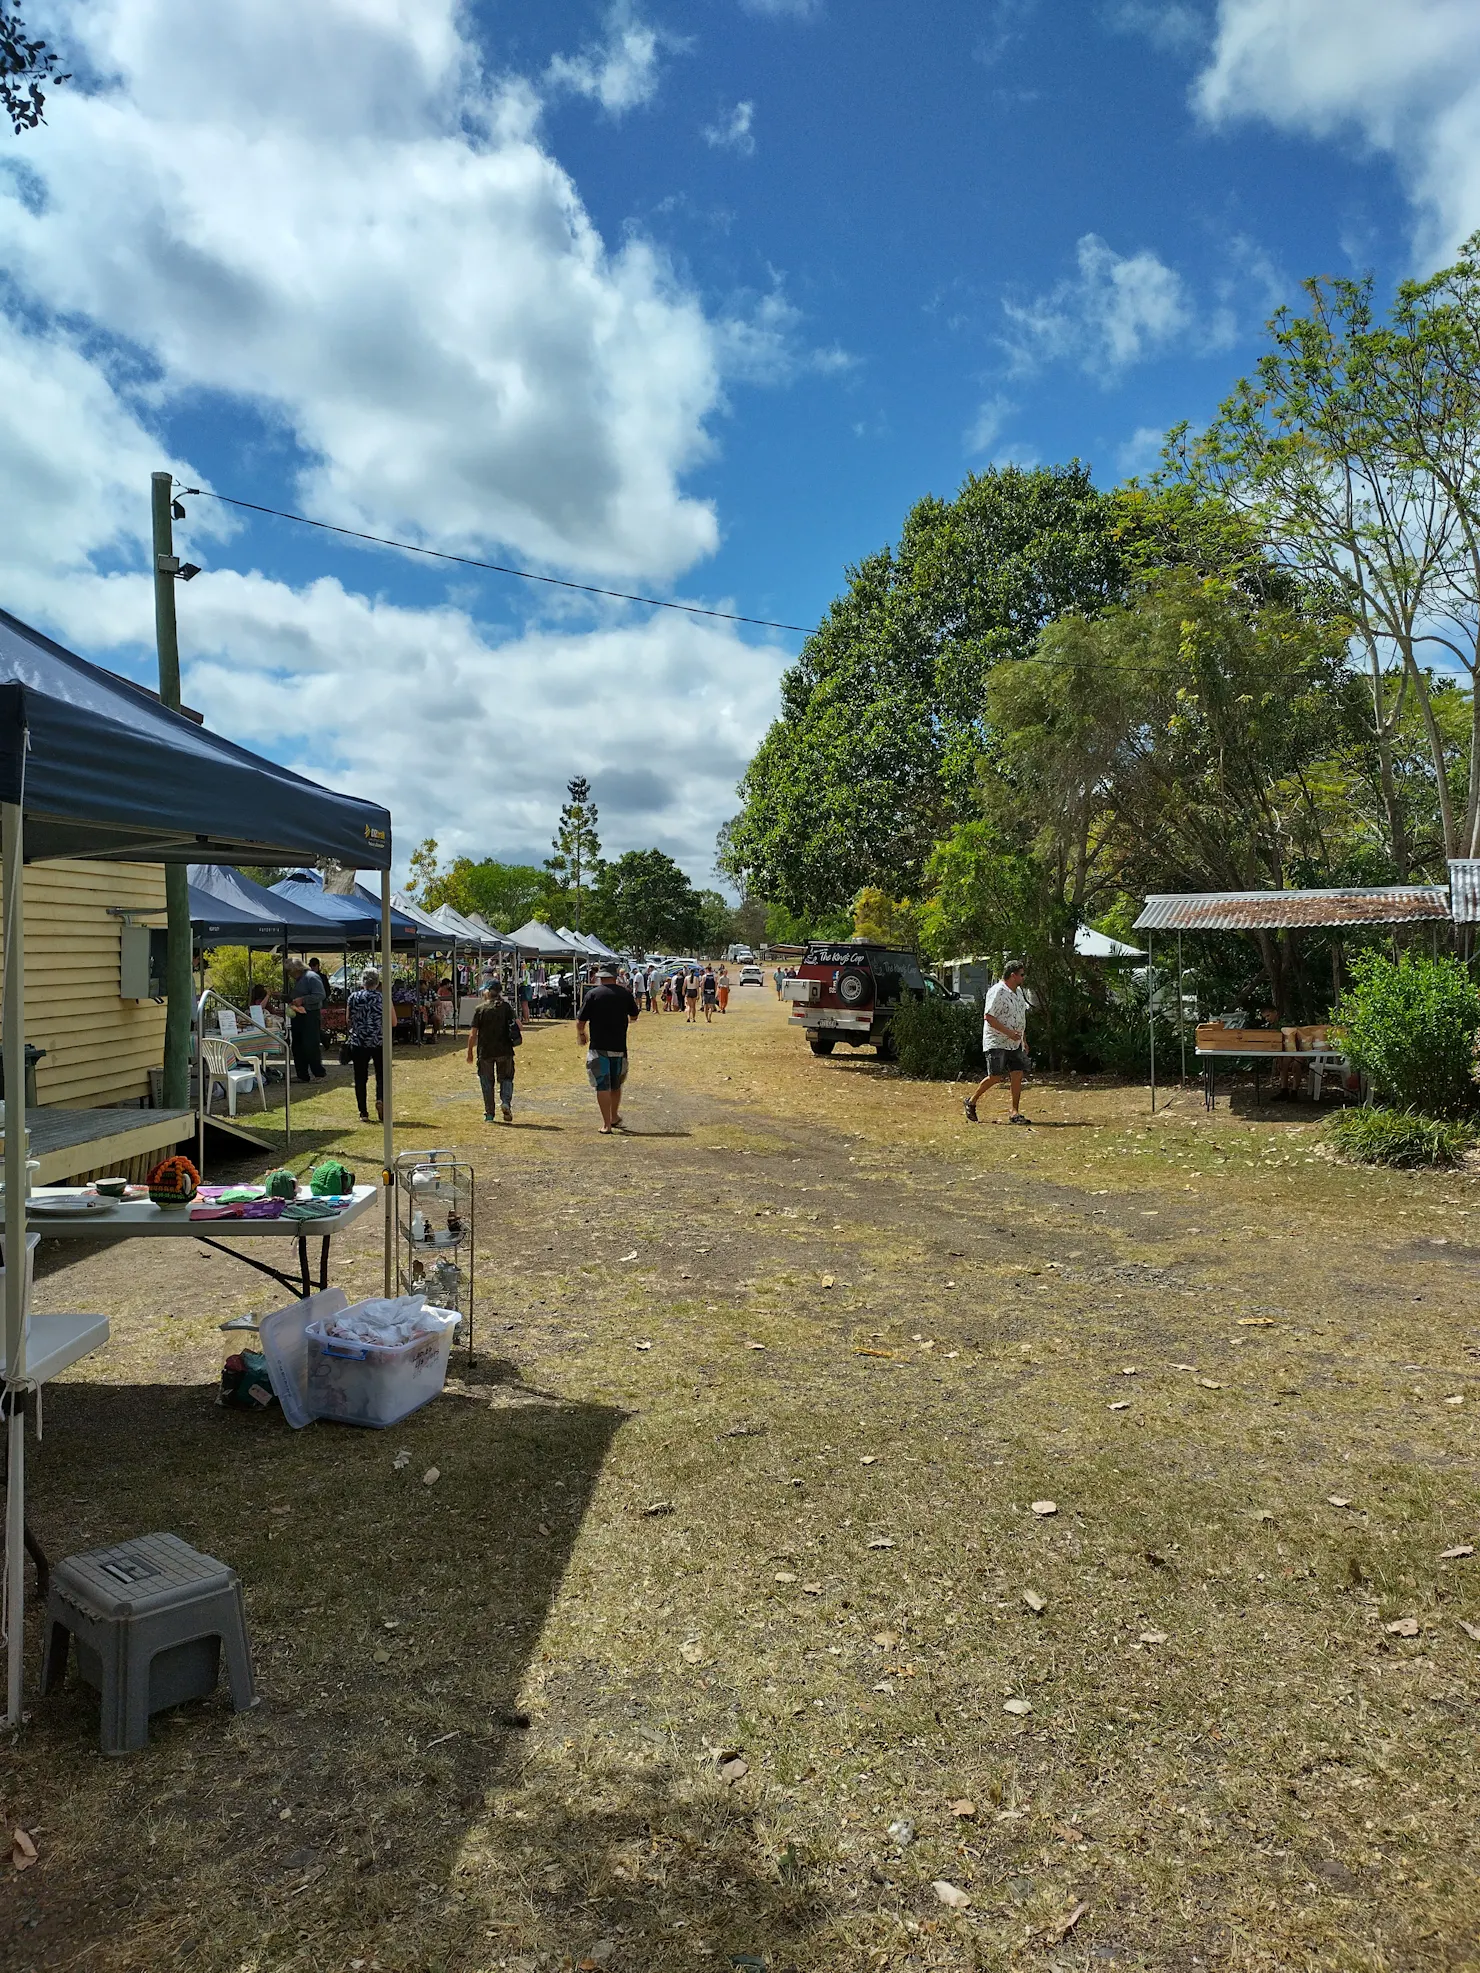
(494, 1035)
(1004, 1034)
(601, 1029)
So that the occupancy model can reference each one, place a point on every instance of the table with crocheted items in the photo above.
(232, 1213)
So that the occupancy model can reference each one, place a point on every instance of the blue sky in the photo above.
(694, 298)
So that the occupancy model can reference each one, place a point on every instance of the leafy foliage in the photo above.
(505, 894)
(1411, 1026)
(233, 970)
(890, 921)
(1370, 1136)
(881, 730)
(936, 1037)
(644, 902)
(27, 69)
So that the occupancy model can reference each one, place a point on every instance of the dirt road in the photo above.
(730, 1632)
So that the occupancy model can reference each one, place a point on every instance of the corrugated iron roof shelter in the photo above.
(1281, 911)
(1464, 890)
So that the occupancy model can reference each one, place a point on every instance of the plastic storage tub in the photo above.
(321, 1376)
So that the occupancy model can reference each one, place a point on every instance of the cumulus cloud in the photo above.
(395, 279)
(1403, 79)
(731, 131)
(1115, 309)
(621, 74)
(395, 270)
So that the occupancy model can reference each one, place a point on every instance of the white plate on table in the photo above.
(73, 1206)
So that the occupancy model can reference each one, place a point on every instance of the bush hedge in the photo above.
(1372, 1136)
(938, 1038)
(1410, 1026)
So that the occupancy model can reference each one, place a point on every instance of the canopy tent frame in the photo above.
(93, 766)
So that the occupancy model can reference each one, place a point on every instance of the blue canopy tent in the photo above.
(284, 916)
(94, 766)
(356, 917)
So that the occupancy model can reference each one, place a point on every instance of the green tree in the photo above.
(643, 902)
(1411, 1025)
(422, 877)
(875, 754)
(505, 894)
(886, 920)
(577, 851)
(1188, 741)
(716, 924)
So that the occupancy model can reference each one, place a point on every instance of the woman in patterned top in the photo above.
(364, 1039)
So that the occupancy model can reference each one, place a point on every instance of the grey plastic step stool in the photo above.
(150, 1617)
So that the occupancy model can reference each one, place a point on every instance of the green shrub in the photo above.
(1397, 1137)
(233, 970)
(1411, 1026)
(936, 1037)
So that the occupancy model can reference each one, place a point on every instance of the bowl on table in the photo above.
(110, 1188)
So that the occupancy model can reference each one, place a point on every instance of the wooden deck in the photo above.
(83, 1144)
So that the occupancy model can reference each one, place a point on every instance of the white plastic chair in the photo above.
(234, 1074)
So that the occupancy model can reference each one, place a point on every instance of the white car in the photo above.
(752, 976)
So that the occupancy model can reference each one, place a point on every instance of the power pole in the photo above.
(179, 983)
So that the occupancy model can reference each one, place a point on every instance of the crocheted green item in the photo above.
(310, 1209)
(331, 1177)
(282, 1185)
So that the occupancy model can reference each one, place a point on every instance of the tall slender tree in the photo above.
(576, 844)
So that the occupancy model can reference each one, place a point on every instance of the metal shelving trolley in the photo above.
(436, 1220)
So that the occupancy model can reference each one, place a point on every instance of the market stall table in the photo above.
(1333, 1059)
(141, 1219)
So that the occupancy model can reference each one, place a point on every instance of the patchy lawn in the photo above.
(730, 1633)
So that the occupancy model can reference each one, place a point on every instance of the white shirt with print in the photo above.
(1008, 1006)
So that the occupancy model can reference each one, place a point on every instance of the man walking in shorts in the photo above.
(601, 1029)
(1004, 1033)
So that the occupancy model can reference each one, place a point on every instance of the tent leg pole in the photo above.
(12, 861)
(287, 1062)
(387, 1053)
(1181, 1017)
(1151, 1014)
(197, 1036)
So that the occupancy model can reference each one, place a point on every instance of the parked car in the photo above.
(847, 991)
(752, 976)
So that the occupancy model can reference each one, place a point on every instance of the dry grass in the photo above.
(494, 1709)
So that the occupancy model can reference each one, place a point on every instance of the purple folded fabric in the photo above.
(262, 1209)
(216, 1212)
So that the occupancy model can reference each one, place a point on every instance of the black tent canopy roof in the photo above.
(102, 769)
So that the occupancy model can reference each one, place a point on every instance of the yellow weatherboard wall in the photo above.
(99, 1048)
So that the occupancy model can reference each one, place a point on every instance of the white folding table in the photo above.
(141, 1219)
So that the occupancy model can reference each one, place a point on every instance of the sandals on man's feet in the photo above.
(969, 1106)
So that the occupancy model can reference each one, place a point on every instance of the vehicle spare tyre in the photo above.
(854, 986)
(822, 1044)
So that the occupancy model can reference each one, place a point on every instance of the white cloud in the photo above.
(395, 278)
(1404, 78)
(621, 74)
(394, 270)
(762, 344)
(986, 428)
(731, 131)
(1170, 25)
(1141, 452)
(1116, 309)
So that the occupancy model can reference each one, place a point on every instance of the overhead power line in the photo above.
(496, 568)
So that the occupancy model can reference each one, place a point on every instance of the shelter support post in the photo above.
(1181, 1012)
(387, 1057)
(1151, 1012)
(12, 864)
(179, 1021)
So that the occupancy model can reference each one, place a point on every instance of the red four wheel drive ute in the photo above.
(848, 991)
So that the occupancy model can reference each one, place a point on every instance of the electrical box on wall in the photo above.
(141, 962)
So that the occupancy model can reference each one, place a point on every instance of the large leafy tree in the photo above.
(644, 902)
(503, 894)
(882, 729)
